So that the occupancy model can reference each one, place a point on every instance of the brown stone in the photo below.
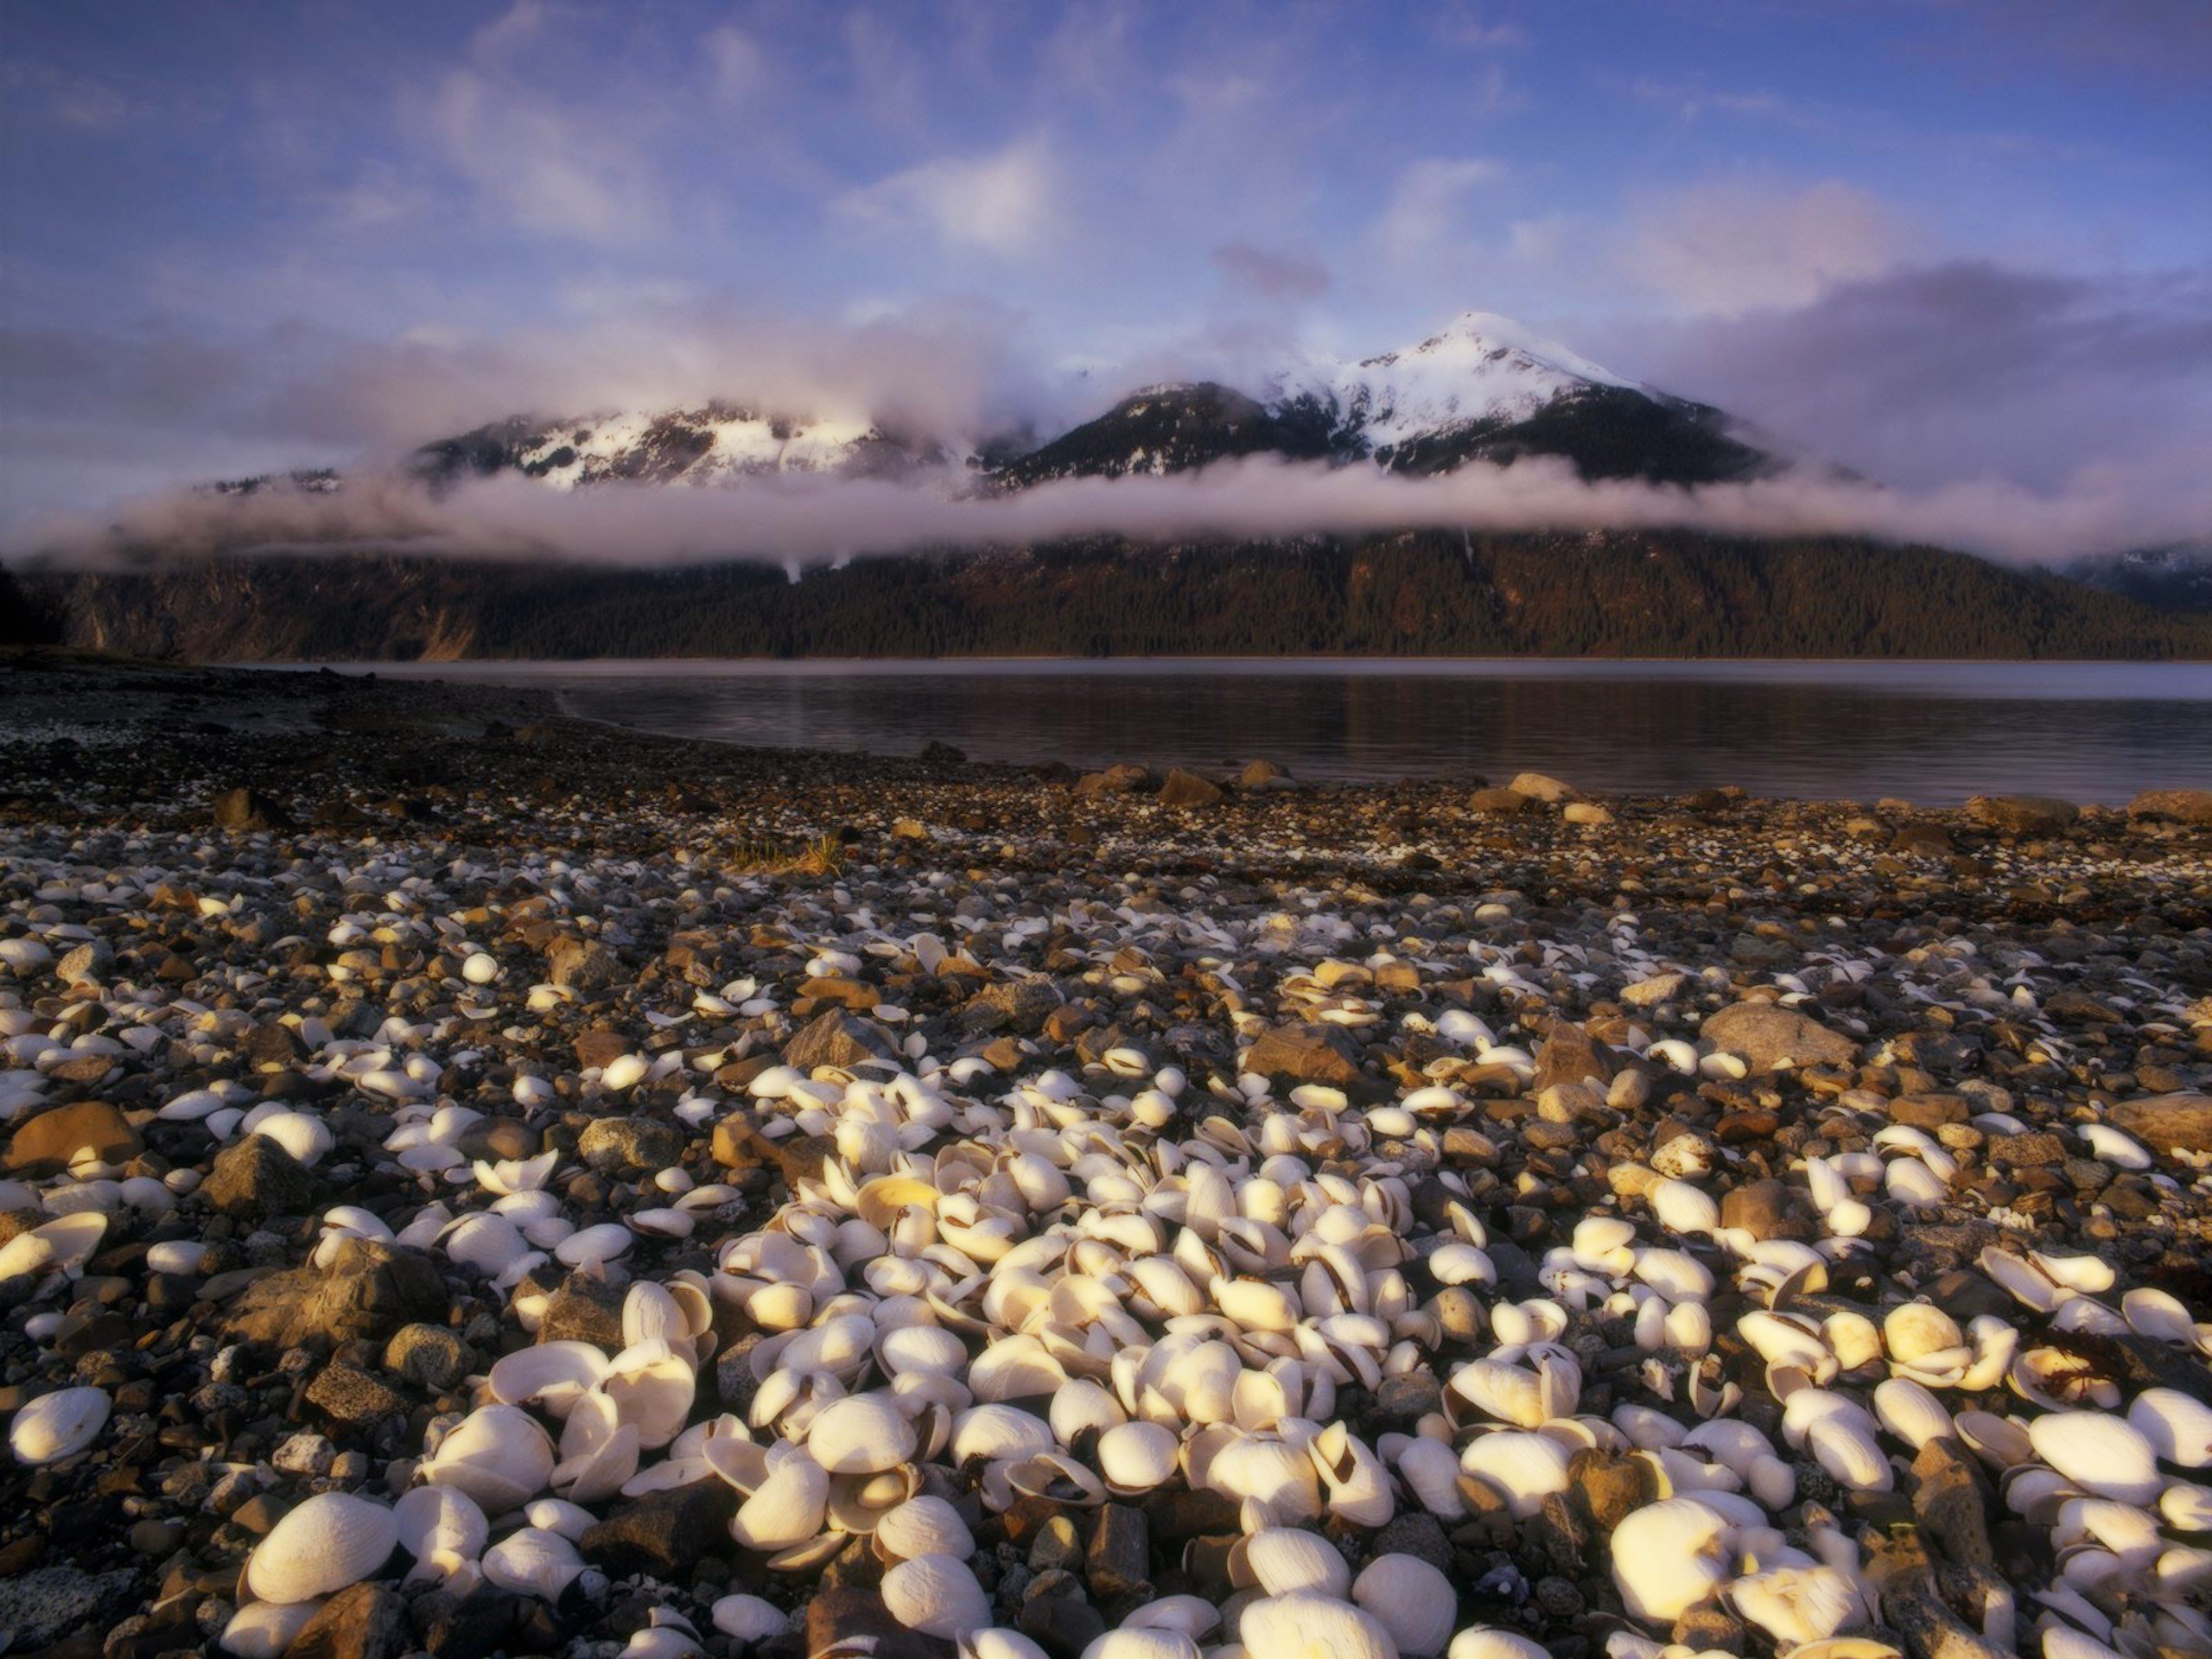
(1757, 1207)
(600, 1047)
(2168, 1123)
(368, 1621)
(1306, 1053)
(369, 1290)
(350, 1396)
(2021, 815)
(1929, 1111)
(840, 1037)
(55, 1138)
(1569, 1056)
(1188, 789)
(257, 1178)
(2173, 806)
(1766, 1035)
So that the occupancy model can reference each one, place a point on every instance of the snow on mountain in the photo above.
(708, 446)
(1484, 389)
(1483, 367)
(717, 444)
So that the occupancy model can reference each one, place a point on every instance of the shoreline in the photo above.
(372, 1045)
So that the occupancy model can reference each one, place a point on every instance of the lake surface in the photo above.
(1933, 732)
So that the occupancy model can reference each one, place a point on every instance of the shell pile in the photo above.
(959, 1253)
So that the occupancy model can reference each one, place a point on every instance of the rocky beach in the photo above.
(477, 1182)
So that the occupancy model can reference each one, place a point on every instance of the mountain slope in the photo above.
(1430, 593)
(2178, 578)
(1483, 389)
(718, 443)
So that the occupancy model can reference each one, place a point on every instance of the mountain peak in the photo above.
(1473, 337)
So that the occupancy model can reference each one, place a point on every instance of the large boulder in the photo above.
(1538, 787)
(369, 1290)
(2021, 815)
(1122, 779)
(1766, 1036)
(1188, 789)
(2179, 1122)
(2173, 806)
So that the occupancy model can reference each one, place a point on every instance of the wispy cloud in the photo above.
(1426, 213)
(802, 522)
(1006, 203)
(1963, 368)
(1730, 248)
(64, 97)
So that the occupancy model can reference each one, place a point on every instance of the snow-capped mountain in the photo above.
(1483, 368)
(717, 444)
(1482, 389)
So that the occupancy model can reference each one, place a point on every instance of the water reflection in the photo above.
(1933, 732)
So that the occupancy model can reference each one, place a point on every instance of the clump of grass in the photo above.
(822, 857)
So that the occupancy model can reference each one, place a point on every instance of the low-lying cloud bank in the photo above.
(806, 522)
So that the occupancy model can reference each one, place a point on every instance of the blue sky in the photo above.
(1937, 239)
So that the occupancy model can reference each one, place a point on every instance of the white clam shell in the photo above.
(2176, 1427)
(1796, 1604)
(1669, 1557)
(748, 1619)
(307, 1138)
(264, 1630)
(442, 1529)
(1411, 1599)
(786, 1508)
(58, 1425)
(1308, 1626)
(552, 1375)
(2102, 1453)
(923, 1526)
(1283, 1560)
(533, 1561)
(497, 1454)
(331, 1540)
(936, 1595)
(1137, 1457)
(863, 1434)
(1483, 1642)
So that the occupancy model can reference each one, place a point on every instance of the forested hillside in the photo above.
(1613, 593)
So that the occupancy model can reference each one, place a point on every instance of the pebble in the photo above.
(1515, 1034)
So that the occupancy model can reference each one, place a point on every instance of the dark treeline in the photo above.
(1615, 593)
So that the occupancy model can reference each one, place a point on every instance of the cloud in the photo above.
(1469, 28)
(1424, 211)
(1273, 278)
(144, 401)
(66, 99)
(549, 167)
(1730, 248)
(1961, 369)
(1005, 203)
(797, 522)
(740, 67)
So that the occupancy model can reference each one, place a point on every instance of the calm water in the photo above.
(1931, 731)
